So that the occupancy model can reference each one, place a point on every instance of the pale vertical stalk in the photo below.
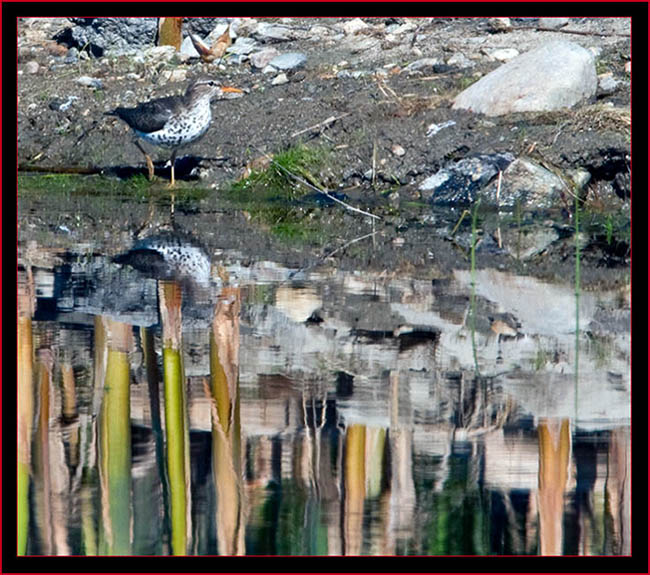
(355, 481)
(554, 456)
(115, 442)
(25, 362)
(176, 417)
(226, 426)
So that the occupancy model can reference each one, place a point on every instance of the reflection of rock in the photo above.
(297, 303)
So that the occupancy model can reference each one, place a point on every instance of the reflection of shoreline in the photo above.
(316, 361)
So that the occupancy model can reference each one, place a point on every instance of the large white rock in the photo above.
(556, 75)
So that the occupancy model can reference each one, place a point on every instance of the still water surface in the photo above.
(254, 411)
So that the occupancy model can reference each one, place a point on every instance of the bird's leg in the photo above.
(147, 157)
(172, 183)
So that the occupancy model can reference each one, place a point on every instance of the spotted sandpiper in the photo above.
(173, 121)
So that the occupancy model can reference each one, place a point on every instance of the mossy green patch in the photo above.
(271, 196)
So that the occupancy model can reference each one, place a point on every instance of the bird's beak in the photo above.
(231, 89)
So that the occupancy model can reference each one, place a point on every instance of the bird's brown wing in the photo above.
(149, 116)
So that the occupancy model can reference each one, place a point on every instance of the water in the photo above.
(340, 413)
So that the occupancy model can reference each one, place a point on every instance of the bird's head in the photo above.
(208, 87)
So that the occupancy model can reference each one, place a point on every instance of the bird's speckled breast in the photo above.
(181, 129)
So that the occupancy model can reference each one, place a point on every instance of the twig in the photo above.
(322, 124)
(324, 192)
(565, 31)
(330, 254)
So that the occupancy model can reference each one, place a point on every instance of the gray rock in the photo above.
(460, 182)
(102, 36)
(607, 84)
(31, 67)
(499, 24)
(504, 54)
(552, 23)
(556, 75)
(243, 46)
(266, 32)
(354, 26)
(527, 183)
(459, 60)
(262, 58)
(187, 49)
(288, 61)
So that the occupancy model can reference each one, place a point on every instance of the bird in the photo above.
(168, 255)
(173, 122)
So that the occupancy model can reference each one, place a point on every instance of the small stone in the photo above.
(580, 177)
(552, 23)
(459, 60)
(177, 75)
(160, 53)
(354, 26)
(398, 150)
(422, 63)
(262, 58)
(31, 67)
(90, 82)
(499, 24)
(187, 49)
(280, 79)
(607, 84)
(242, 46)
(269, 70)
(288, 61)
(628, 67)
(504, 54)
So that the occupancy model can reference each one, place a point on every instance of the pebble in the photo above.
(504, 54)
(398, 150)
(288, 61)
(628, 67)
(187, 49)
(499, 24)
(273, 32)
(459, 60)
(280, 79)
(176, 75)
(262, 58)
(422, 63)
(31, 67)
(354, 26)
(433, 129)
(242, 46)
(552, 23)
(607, 84)
(90, 82)
(160, 53)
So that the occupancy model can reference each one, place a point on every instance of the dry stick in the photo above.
(564, 31)
(322, 124)
(330, 254)
(325, 193)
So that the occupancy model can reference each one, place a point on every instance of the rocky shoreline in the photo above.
(387, 97)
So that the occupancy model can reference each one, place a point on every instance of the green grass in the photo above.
(274, 182)
(270, 195)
